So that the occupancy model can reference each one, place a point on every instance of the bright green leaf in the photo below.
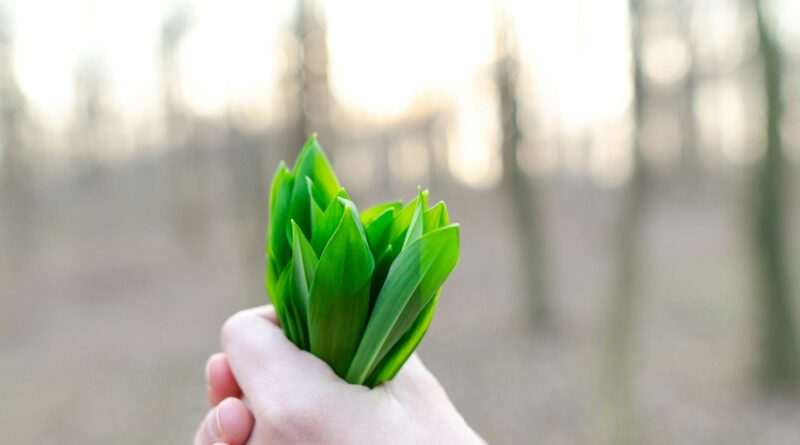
(414, 278)
(367, 216)
(378, 231)
(414, 231)
(406, 346)
(339, 300)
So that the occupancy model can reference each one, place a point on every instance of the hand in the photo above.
(296, 398)
(229, 422)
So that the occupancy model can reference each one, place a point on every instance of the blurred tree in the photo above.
(173, 31)
(519, 188)
(187, 165)
(690, 146)
(627, 269)
(306, 83)
(16, 179)
(92, 115)
(779, 354)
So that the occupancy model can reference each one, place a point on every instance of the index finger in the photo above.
(265, 363)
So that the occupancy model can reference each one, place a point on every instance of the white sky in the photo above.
(385, 55)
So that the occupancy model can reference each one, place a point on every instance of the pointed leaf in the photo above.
(378, 231)
(304, 264)
(367, 216)
(403, 219)
(339, 300)
(406, 346)
(415, 227)
(277, 242)
(280, 299)
(382, 265)
(328, 223)
(414, 278)
(311, 163)
(315, 203)
(436, 217)
(305, 259)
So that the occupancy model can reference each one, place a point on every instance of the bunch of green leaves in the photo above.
(356, 289)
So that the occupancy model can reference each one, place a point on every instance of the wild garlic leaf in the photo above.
(413, 279)
(280, 197)
(378, 231)
(400, 352)
(436, 217)
(328, 223)
(311, 163)
(367, 216)
(414, 231)
(339, 300)
(358, 290)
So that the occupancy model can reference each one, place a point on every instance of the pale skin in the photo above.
(264, 390)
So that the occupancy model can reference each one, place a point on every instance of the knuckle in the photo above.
(232, 326)
(294, 419)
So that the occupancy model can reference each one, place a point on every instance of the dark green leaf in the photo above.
(339, 300)
(327, 223)
(382, 264)
(304, 264)
(311, 163)
(414, 278)
(414, 231)
(436, 217)
(406, 346)
(367, 216)
(278, 246)
(280, 298)
(378, 231)
(403, 219)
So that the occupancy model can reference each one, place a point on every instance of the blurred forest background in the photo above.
(625, 173)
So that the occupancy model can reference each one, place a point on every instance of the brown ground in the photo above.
(105, 328)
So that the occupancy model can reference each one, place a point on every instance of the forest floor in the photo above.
(106, 326)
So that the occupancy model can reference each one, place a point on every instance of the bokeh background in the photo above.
(626, 176)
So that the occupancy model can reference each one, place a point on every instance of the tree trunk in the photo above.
(625, 299)
(691, 163)
(779, 359)
(312, 100)
(519, 189)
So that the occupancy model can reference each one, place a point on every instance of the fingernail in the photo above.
(213, 426)
(226, 415)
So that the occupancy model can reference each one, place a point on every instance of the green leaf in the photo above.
(327, 223)
(278, 249)
(311, 163)
(367, 216)
(382, 265)
(316, 204)
(283, 288)
(339, 300)
(436, 217)
(282, 174)
(378, 231)
(305, 260)
(280, 196)
(414, 278)
(406, 346)
(357, 290)
(304, 264)
(403, 219)
(414, 231)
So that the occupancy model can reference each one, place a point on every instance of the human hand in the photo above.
(296, 398)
